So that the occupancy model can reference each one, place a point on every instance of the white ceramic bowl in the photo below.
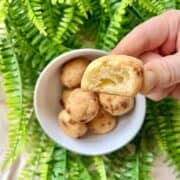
(46, 102)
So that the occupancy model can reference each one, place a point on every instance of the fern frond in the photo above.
(170, 4)
(62, 2)
(26, 30)
(12, 83)
(99, 163)
(141, 12)
(51, 15)
(84, 7)
(39, 153)
(102, 28)
(152, 129)
(130, 163)
(76, 169)
(112, 32)
(34, 12)
(164, 126)
(169, 122)
(68, 25)
(177, 4)
(137, 167)
(110, 6)
(57, 164)
(153, 6)
(3, 10)
(117, 27)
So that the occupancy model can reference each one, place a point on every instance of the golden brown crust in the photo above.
(69, 127)
(114, 74)
(116, 105)
(72, 72)
(102, 123)
(82, 105)
(65, 94)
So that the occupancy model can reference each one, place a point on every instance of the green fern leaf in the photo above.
(39, 152)
(153, 6)
(170, 4)
(84, 7)
(3, 10)
(112, 32)
(141, 12)
(34, 12)
(13, 88)
(117, 27)
(57, 164)
(169, 123)
(76, 168)
(110, 6)
(51, 15)
(132, 162)
(163, 126)
(177, 4)
(99, 163)
(68, 25)
(62, 2)
(46, 49)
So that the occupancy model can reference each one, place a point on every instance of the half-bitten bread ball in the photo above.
(70, 127)
(102, 123)
(116, 105)
(72, 72)
(114, 74)
(82, 105)
(65, 94)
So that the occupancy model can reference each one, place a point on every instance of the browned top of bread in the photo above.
(114, 74)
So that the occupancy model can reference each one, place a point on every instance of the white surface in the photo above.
(46, 102)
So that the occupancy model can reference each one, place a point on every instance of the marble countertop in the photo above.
(160, 170)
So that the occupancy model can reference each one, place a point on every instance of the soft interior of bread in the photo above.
(113, 79)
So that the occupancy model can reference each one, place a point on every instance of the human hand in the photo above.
(157, 43)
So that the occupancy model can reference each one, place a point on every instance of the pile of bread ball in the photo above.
(85, 110)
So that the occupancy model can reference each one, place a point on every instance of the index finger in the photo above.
(145, 37)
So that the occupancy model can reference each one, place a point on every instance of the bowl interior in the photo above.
(47, 107)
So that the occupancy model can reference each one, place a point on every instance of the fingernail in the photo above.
(150, 79)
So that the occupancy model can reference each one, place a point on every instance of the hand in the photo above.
(157, 43)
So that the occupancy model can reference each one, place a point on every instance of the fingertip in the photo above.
(150, 81)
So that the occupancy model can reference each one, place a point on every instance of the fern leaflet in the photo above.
(34, 12)
(57, 164)
(99, 163)
(13, 88)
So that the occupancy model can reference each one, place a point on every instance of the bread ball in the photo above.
(114, 74)
(102, 123)
(82, 105)
(65, 94)
(70, 127)
(116, 105)
(72, 72)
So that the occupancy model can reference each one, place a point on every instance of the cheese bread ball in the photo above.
(102, 123)
(114, 74)
(65, 94)
(82, 105)
(70, 127)
(72, 72)
(116, 105)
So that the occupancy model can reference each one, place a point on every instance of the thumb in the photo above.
(161, 73)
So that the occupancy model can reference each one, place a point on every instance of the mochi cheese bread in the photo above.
(114, 74)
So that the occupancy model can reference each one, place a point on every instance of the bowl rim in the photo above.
(58, 58)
